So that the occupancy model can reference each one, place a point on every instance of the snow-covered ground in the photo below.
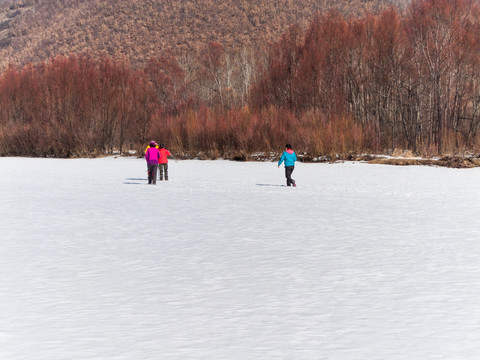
(224, 262)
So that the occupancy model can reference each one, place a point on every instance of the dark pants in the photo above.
(152, 173)
(288, 175)
(163, 168)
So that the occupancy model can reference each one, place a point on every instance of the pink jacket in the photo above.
(163, 156)
(152, 155)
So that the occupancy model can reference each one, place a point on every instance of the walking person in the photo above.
(152, 155)
(289, 157)
(163, 164)
(148, 147)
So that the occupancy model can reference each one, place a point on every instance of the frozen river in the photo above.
(357, 262)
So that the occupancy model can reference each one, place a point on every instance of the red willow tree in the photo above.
(73, 105)
(411, 77)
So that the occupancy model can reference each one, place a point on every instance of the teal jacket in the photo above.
(289, 157)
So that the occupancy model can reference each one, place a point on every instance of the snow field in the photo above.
(224, 262)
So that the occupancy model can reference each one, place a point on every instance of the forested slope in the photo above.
(36, 30)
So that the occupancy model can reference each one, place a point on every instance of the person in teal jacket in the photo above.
(289, 157)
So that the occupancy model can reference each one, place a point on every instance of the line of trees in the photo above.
(401, 79)
(413, 77)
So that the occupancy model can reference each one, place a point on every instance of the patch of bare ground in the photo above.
(457, 162)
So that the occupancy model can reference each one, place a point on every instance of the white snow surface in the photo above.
(358, 261)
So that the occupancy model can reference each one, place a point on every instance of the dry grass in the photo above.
(457, 162)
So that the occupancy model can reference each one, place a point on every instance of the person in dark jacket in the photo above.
(289, 157)
(152, 155)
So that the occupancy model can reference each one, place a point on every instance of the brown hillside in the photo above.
(35, 30)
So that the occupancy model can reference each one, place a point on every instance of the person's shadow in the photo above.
(277, 185)
(135, 181)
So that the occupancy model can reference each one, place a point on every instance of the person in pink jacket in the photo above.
(152, 156)
(163, 163)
